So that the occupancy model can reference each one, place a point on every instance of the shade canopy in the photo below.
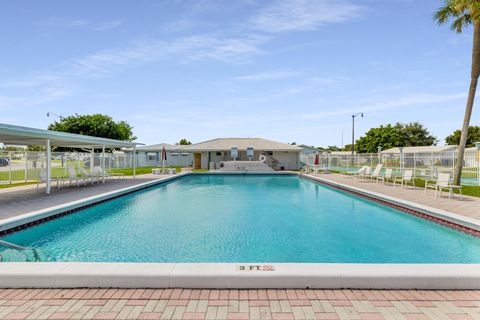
(18, 135)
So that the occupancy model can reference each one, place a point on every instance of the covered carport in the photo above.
(23, 136)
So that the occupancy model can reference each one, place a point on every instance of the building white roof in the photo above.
(225, 144)
(421, 149)
(18, 135)
(157, 147)
(341, 153)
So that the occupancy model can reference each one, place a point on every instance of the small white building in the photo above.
(421, 150)
(151, 156)
(212, 152)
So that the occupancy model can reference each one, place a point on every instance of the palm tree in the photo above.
(464, 13)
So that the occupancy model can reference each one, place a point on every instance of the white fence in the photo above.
(18, 166)
(423, 165)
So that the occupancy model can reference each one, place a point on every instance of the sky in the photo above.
(286, 70)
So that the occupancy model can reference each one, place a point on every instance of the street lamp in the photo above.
(353, 130)
(54, 114)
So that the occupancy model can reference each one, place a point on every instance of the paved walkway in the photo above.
(468, 206)
(237, 304)
(24, 199)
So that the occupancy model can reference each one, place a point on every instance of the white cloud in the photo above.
(392, 103)
(82, 23)
(301, 15)
(186, 49)
(271, 75)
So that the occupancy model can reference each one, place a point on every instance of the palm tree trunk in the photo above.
(471, 98)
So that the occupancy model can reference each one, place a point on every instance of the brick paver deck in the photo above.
(237, 304)
(468, 206)
(19, 200)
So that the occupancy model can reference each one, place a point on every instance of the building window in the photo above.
(270, 153)
(152, 156)
(219, 153)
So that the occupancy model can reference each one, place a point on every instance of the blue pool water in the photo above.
(240, 218)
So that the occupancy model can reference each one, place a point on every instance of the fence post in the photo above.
(26, 165)
(431, 161)
(414, 165)
(10, 167)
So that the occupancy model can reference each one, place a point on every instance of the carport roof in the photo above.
(18, 135)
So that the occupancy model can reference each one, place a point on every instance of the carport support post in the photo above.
(49, 166)
(134, 160)
(92, 159)
(103, 164)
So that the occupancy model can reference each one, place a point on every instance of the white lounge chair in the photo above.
(356, 173)
(386, 177)
(366, 173)
(88, 175)
(42, 178)
(376, 172)
(108, 175)
(73, 176)
(442, 183)
(405, 179)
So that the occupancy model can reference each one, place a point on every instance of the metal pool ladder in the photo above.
(19, 248)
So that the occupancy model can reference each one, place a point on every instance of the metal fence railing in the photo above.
(423, 165)
(24, 166)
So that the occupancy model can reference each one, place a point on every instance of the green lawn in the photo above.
(143, 170)
(200, 170)
(3, 186)
(473, 191)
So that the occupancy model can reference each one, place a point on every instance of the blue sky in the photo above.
(287, 70)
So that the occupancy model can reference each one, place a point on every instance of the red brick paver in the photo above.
(237, 304)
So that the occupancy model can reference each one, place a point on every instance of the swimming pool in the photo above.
(244, 218)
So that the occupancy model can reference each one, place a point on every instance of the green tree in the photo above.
(464, 13)
(472, 137)
(387, 137)
(390, 136)
(96, 125)
(184, 142)
(415, 134)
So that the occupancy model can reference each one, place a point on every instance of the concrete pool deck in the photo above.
(238, 304)
(220, 275)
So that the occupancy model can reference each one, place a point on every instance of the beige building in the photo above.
(209, 154)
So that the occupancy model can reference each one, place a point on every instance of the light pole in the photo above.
(353, 130)
(54, 114)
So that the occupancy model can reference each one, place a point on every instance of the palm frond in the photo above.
(463, 12)
(460, 23)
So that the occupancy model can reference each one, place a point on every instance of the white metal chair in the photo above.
(442, 183)
(73, 176)
(386, 177)
(376, 172)
(405, 179)
(356, 173)
(365, 173)
(42, 178)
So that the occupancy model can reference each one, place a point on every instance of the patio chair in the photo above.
(365, 173)
(356, 173)
(442, 183)
(108, 175)
(73, 176)
(376, 172)
(405, 179)
(88, 175)
(386, 177)
(42, 178)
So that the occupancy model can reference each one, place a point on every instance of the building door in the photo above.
(198, 161)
